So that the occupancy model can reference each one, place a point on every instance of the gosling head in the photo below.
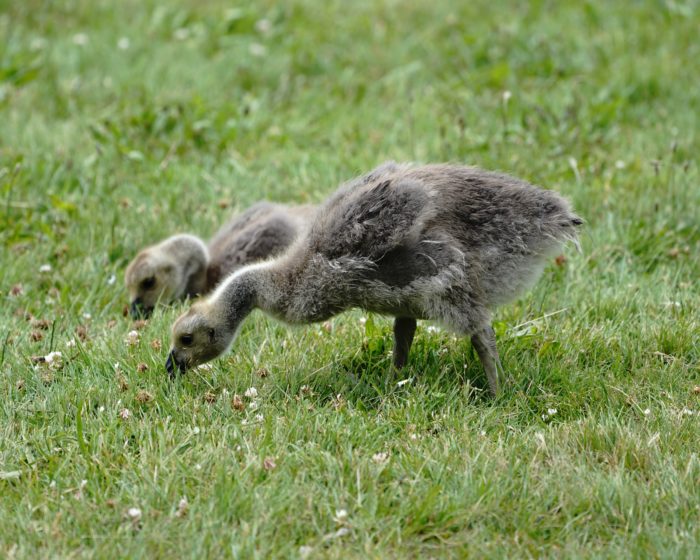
(165, 273)
(207, 329)
(198, 336)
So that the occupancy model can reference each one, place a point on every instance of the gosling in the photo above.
(184, 266)
(441, 242)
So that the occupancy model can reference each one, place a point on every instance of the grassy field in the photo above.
(122, 122)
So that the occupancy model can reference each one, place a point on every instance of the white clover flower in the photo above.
(124, 414)
(134, 513)
(687, 412)
(45, 268)
(551, 411)
(132, 338)
(259, 417)
(619, 164)
(87, 316)
(182, 507)
(506, 96)
(257, 50)
(646, 411)
(263, 26)
(341, 516)
(181, 34)
(251, 392)
(380, 457)
(54, 360)
(253, 405)
(71, 343)
(80, 39)
(123, 43)
(196, 430)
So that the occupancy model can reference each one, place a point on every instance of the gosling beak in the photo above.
(172, 364)
(138, 310)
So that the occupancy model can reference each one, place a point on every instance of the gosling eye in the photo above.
(186, 339)
(148, 283)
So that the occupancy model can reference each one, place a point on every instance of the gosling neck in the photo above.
(194, 256)
(251, 287)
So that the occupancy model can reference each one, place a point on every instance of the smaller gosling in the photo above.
(184, 266)
(445, 243)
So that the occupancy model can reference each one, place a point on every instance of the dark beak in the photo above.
(138, 310)
(173, 366)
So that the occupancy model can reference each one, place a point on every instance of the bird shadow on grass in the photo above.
(367, 377)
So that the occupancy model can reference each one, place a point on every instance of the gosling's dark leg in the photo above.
(404, 329)
(484, 341)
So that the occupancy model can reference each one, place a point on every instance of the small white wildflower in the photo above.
(54, 360)
(124, 414)
(482, 433)
(134, 513)
(225, 392)
(619, 164)
(253, 405)
(101, 409)
(196, 430)
(181, 34)
(45, 268)
(182, 507)
(544, 417)
(132, 338)
(244, 422)
(71, 343)
(257, 50)
(123, 43)
(238, 448)
(259, 417)
(80, 39)
(687, 412)
(646, 411)
(111, 280)
(87, 316)
(251, 392)
(52, 484)
(205, 367)
(551, 411)
(263, 25)
(506, 96)
(380, 457)
(341, 516)
(198, 467)
(413, 437)
(38, 43)
(117, 367)
(363, 320)
(432, 329)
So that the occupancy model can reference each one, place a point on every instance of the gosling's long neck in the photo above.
(256, 286)
(193, 256)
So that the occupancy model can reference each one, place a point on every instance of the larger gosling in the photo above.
(440, 242)
(183, 265)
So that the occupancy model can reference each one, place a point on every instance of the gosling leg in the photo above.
(404, 329)
(484, 342)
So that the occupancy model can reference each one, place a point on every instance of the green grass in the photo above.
(104, 150)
